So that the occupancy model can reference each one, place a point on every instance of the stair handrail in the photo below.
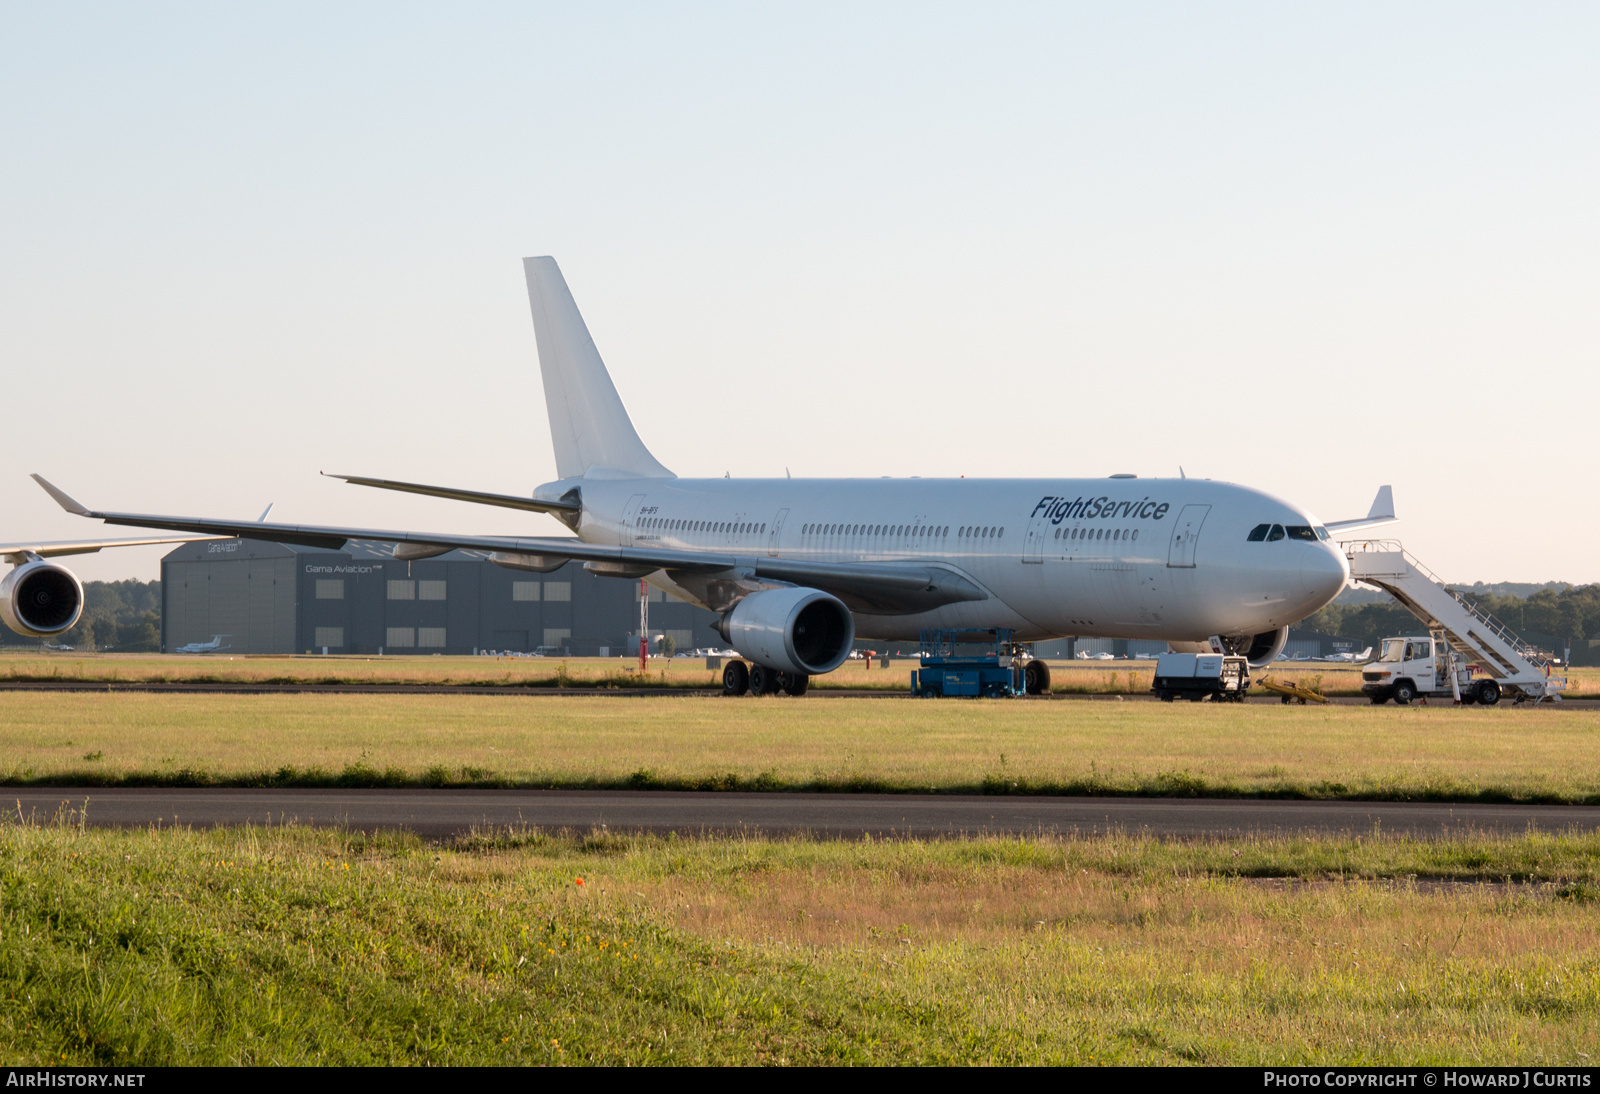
(1500, 630)
(1522, 648)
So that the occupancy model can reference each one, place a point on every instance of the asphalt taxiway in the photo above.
(448, 814)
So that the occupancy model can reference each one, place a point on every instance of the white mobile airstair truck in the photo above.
(1468, 655)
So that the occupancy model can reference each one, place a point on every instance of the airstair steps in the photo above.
(1470, 631)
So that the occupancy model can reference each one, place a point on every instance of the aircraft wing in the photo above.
(1381, 513)
(888, 588)
(17, 553)
(881, 586)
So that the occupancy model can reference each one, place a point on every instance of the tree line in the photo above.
(124, 616)
(1550, 619)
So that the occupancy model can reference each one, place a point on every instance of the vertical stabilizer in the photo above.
(1382, 505)
(591, 430)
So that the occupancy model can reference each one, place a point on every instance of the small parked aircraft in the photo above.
(205, 647)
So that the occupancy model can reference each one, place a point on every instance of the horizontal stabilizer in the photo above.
(509, 501)
(1381, 513)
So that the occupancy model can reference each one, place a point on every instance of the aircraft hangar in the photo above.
(278, 598)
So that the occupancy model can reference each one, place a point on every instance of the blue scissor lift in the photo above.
(968, 662)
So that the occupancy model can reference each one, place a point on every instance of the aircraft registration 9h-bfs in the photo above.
(798, 569)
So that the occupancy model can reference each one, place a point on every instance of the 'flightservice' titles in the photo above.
(1055, 510)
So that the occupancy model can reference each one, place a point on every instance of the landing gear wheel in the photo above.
(1488, 692)
(794, 683)
(1404, 692)
(1036, 678)
(763, 681)
(735, 678)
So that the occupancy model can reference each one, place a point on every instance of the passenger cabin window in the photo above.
(1276, 533)
(1258, 533)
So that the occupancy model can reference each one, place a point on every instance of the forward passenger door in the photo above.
(1185, 533)
(1033, 543)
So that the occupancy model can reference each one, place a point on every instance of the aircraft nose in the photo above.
(1323, 572)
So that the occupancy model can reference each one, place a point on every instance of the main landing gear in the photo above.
(739, 678)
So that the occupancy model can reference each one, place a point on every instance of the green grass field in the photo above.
(1534, 754)
(294, 946)
(298, 946)
(1069, 677)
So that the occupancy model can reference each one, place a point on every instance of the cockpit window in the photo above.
(1257, 534)
(1302, 531)
(1276, 533)
(1322, 533)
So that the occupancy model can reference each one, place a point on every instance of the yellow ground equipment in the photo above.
(1294, 693)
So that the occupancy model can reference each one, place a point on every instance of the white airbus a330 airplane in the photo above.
(798, 569)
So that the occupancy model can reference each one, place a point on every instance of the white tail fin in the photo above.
(1381, 513)
(591, 430)
(1382, 505)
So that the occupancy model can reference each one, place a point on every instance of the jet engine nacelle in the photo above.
(803, 631)
(41, 599)
(1263, 649)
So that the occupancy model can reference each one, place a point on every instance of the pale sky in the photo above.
(1307, 248)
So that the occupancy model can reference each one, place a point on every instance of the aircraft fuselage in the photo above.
(1123, 557)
